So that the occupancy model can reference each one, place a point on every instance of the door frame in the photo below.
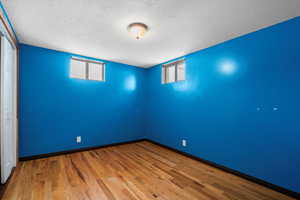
(13, 82)
(6, 29)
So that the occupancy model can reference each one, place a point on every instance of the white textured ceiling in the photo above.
(97, 28)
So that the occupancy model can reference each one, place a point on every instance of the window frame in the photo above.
(87, 61)
(175, 64)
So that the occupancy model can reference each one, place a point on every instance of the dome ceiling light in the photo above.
(137, 30)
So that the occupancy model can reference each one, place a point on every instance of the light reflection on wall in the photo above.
(130, 83)
(182, 85)
(227, 67)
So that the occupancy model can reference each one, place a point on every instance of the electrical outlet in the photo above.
(78, 139)
(184, 143)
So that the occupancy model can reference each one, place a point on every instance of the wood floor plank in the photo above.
(137, 171)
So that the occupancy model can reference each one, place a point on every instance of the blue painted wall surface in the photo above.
(225, 108)
(54, 108)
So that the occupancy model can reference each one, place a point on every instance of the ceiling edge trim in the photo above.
(8, 25)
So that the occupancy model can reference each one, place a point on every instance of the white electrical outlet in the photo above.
(184, 143)
(78, 139)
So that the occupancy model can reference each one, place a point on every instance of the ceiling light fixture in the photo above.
(138, 30)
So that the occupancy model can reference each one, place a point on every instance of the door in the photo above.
(8, 108)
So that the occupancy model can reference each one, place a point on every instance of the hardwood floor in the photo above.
(138, 171)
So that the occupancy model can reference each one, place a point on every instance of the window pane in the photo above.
(181, 71)
(78, 69)
(96, 71)
(170, 74)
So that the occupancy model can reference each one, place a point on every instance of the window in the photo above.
(87, 69)
(78, 69)
(173, 72)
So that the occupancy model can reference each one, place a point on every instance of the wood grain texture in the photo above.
(137, 171)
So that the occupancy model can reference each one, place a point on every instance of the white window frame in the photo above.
(87, 61)
(175, 64)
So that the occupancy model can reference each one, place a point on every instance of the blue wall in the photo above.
(225, 107)
(54, 108)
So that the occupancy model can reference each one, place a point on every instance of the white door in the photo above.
(8, 109)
